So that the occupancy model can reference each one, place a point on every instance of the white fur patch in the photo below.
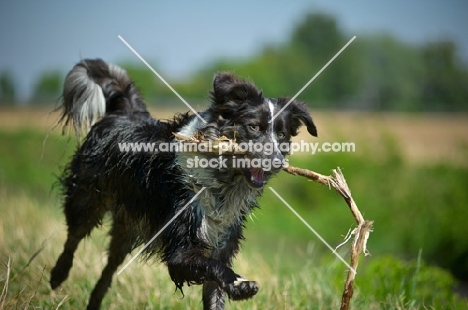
(272, 130)
(94, 107)
(191, 128)
(222, 210)
(240, 280)
(91, 100)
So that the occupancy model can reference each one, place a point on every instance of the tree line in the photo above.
(376, 72)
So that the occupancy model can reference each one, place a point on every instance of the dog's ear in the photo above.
(227, 87)
(300, 116)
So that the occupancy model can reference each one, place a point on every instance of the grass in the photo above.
(142, 285)
(418, 211)
(287, 281)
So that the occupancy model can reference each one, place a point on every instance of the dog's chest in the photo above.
(222, 213)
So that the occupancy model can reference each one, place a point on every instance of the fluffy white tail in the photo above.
(94, 88)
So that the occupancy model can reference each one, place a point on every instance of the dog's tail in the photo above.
(93, 89)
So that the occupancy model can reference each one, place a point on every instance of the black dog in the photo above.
(145, 190)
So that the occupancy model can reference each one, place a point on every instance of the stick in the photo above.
(361, 232)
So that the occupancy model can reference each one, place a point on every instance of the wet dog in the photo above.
(203, 208)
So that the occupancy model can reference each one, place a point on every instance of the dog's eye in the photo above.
(254, 127)
(280, 135)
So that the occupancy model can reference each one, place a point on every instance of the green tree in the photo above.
(445, 79)
(313, 43)
(318, 34)
(283, 69)
(377, 72)
(391, 73)
(48, 87)
(7, 88)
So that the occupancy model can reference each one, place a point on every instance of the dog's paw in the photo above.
(241, 289)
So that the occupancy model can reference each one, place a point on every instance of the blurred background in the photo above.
(399, 92)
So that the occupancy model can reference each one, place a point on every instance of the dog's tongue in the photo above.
(257, 175)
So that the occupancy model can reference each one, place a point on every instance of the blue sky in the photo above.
(178, 37)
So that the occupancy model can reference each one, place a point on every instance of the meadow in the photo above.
(409, 174)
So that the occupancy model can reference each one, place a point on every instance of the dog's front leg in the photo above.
(213, 296)
(192, 267)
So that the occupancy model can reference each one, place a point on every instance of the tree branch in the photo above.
(361, 232)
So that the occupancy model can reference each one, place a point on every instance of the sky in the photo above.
(178, 37)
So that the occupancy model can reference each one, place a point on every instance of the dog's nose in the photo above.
(278, 158)
(278, 155)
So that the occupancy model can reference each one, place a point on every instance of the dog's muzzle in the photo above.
(258, 176)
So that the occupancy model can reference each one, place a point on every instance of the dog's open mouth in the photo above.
(255, 175)
(256, 178)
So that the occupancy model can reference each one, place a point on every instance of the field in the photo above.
(409, 174)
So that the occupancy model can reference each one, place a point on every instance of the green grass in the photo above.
(415, 208)
(32, 160)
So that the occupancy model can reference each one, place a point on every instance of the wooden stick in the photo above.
(361, 232)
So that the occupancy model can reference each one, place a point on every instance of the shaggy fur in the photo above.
(145, 190)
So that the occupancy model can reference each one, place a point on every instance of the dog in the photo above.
(199, 213)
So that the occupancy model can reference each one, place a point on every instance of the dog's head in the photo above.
(262, 126)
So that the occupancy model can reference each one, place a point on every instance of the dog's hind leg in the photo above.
(80, 224)
(121, 244)
(213, 296)
(64, 263)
